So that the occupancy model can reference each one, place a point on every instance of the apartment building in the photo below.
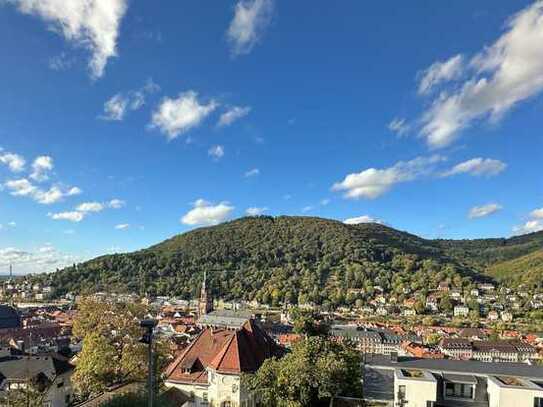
(372, 340)
(488, 351)
(411, 382)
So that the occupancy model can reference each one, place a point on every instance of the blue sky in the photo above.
(123, 123)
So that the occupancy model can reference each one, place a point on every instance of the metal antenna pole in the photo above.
(151, 370)
(149, 325)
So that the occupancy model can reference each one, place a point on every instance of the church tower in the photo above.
(205, 304)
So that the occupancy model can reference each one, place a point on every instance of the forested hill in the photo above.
(298, 259)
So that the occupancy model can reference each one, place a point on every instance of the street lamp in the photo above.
(147, 338)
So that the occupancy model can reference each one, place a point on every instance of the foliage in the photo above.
(308, 323)
(527, 269)
(29, 396)
(293, 259)
(111, 349)
(316, 370)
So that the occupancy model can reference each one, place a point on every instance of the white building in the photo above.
(432, 383)
(461, 311)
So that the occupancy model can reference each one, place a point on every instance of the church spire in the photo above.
(205, 304)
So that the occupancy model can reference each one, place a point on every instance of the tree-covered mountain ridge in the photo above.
(296, 259)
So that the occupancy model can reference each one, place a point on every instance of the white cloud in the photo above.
(325, 201)
(205, 213)
(176, 116)
(82, 210)
(373, 182)
(252, 173)
(216, 152)
(14, 162)
(535, 224)
(115, 107)
(118, 105)
(255, 211)
(116, 203)
(361, 219)
(477, 167)
(71, 216)
(8, 225)
(246, 28)
(43, 259)
(440, 72)
(41, 167)
(232, 114)
(23, 187)
(60, 62)
(307, 208)
(91, 24)
(398, 126)
(122, 226)
(90, 207)
(485, 210)
(531, 226)
(498, 78)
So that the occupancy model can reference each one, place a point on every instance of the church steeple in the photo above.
(205, 304)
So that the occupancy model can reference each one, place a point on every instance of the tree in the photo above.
(96, 365)
(111, 348)
(307, 323)
(445, 304)
(316, 370)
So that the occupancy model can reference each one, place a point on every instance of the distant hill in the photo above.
(527, 269)
(298, 259)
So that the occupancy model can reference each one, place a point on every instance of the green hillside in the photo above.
(297, 259)
(527, 269)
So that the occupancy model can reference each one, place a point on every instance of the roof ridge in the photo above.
(178, 360)
(224, 351)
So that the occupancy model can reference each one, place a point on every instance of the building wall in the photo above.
(500, 395)
(417, 392)
(199, 393)
(57, 395)
(222, 388)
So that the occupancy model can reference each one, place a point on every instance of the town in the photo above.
(475, 345)
(265, 203)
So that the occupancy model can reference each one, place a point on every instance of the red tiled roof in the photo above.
(223, 350)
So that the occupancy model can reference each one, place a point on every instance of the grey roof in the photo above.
(225, 318)
(460, 378)
(27, 367)
(9, 317)
(458, 366)
(375, 334)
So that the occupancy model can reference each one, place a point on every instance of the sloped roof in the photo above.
(28, 367)
(9, 317)
(225, 351)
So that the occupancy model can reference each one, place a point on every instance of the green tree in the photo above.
(316, 370)
(308, 323)
(96, 365)
(111, 348)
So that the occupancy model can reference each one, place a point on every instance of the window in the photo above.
(430, 404)
(204, 398)
(226, 404)
(538, 401)
(459, 390)
(401, 392)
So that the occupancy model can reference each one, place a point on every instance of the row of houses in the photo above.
(488, 351)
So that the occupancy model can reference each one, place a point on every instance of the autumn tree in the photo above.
(111, 348)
